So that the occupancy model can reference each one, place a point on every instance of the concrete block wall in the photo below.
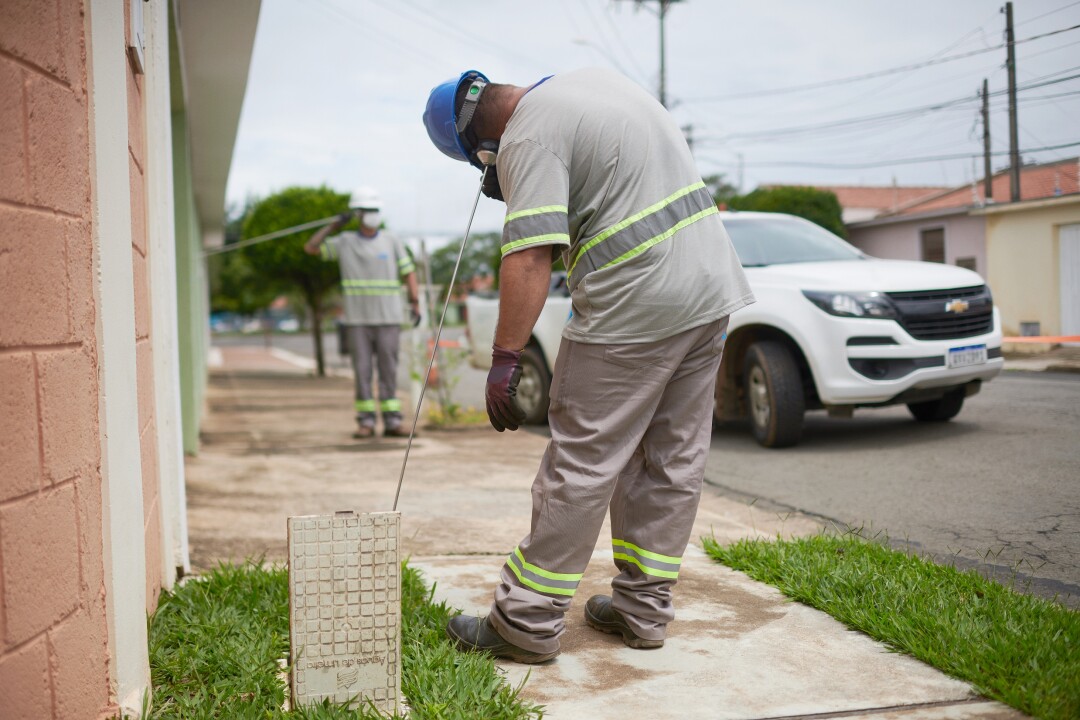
(137, 171)
(54, 653)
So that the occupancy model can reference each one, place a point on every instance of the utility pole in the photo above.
(1014, 142)
(664, 5)
(988, 179)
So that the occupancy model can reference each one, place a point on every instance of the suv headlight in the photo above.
(853, 304)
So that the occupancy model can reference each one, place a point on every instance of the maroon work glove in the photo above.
(501, 394)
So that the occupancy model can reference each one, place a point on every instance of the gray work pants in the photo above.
(630, 431)
(371, 345)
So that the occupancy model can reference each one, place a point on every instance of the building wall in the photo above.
(1024, 251)
(964, 237)
(140, 260)
(54, 651)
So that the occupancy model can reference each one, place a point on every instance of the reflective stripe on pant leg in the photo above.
(599, 412)
(360, 353)
(656, 498)
(387, 340)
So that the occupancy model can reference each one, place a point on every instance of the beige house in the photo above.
(116, 132)
(1033, 252)
(1025, 250)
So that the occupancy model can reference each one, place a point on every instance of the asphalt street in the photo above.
(997, 488)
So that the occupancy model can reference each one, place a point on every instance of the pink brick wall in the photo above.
(53, 632)
(144, 355)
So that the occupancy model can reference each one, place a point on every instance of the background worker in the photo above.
(591, 165)
(374, 265)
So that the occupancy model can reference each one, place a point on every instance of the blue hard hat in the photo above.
(440, 116)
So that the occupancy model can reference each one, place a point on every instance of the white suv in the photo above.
(835, 329)
(832, 329)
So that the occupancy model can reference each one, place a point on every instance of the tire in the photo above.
(532, 390)
(941, 410)
(775, 401)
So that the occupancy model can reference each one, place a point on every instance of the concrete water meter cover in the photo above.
(345, 609)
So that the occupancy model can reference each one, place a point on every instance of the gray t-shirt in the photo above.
(593, 165)
(371, 273)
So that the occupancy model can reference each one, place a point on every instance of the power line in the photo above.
(872, 75)
(895, 161)
(907, 114)
(1039, 17)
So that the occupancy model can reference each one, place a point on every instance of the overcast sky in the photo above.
(337, 87)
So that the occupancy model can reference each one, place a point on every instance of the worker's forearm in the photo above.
(412, 287)
(311, 247)
(524, 279)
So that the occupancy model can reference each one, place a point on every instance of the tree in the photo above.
(721, 190)
(483, 255)
(234, 285)
(817, 206)
(281, 264)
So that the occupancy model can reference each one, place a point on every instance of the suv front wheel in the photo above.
(774, 394)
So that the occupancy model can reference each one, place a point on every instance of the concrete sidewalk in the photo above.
(277, 442)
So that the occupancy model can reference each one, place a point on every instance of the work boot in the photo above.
(471, 634)
(396, 432)
(364, 432)
(601, 616)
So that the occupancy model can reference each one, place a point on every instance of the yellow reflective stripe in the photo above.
(647, 553)
(392, 405)
(324, 250)
(371, 283)
(645, 568)
(537, 586)
(634, 218)
(534, 211)
(365, 406)
(568, 577)
(375, 292)
(661, 237)
(536, 239)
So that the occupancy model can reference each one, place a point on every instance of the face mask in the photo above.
(371, 220)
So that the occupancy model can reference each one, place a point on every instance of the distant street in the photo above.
(998, 487)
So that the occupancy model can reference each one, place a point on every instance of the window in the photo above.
(933, 245)
(968, 263)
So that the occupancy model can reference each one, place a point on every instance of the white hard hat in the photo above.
(366, 198)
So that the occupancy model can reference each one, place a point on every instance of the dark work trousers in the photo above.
(630, 428)
(371, 346)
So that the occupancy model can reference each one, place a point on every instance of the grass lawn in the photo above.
(1016, 648)
(215, 643)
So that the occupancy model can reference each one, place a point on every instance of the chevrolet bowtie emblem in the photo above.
(957, 306)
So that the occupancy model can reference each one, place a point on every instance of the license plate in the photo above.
(965, 356)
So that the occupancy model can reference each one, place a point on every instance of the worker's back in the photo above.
(648, 256)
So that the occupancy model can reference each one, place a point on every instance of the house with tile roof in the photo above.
(864, 202)
(1028, 251)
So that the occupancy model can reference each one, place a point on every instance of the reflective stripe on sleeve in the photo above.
(545, 225)
(648, 562)
(643, 230)
(406, 265)
(542, 580)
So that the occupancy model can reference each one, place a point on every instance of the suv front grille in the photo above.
(942, 315)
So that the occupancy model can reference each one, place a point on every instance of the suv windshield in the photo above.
(782, 239)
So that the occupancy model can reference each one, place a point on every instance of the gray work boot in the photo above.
(473, 634)
(601, 616)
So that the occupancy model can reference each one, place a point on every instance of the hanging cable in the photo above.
(270, 236)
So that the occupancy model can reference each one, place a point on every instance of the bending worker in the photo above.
(373, 265)
(594, 168)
